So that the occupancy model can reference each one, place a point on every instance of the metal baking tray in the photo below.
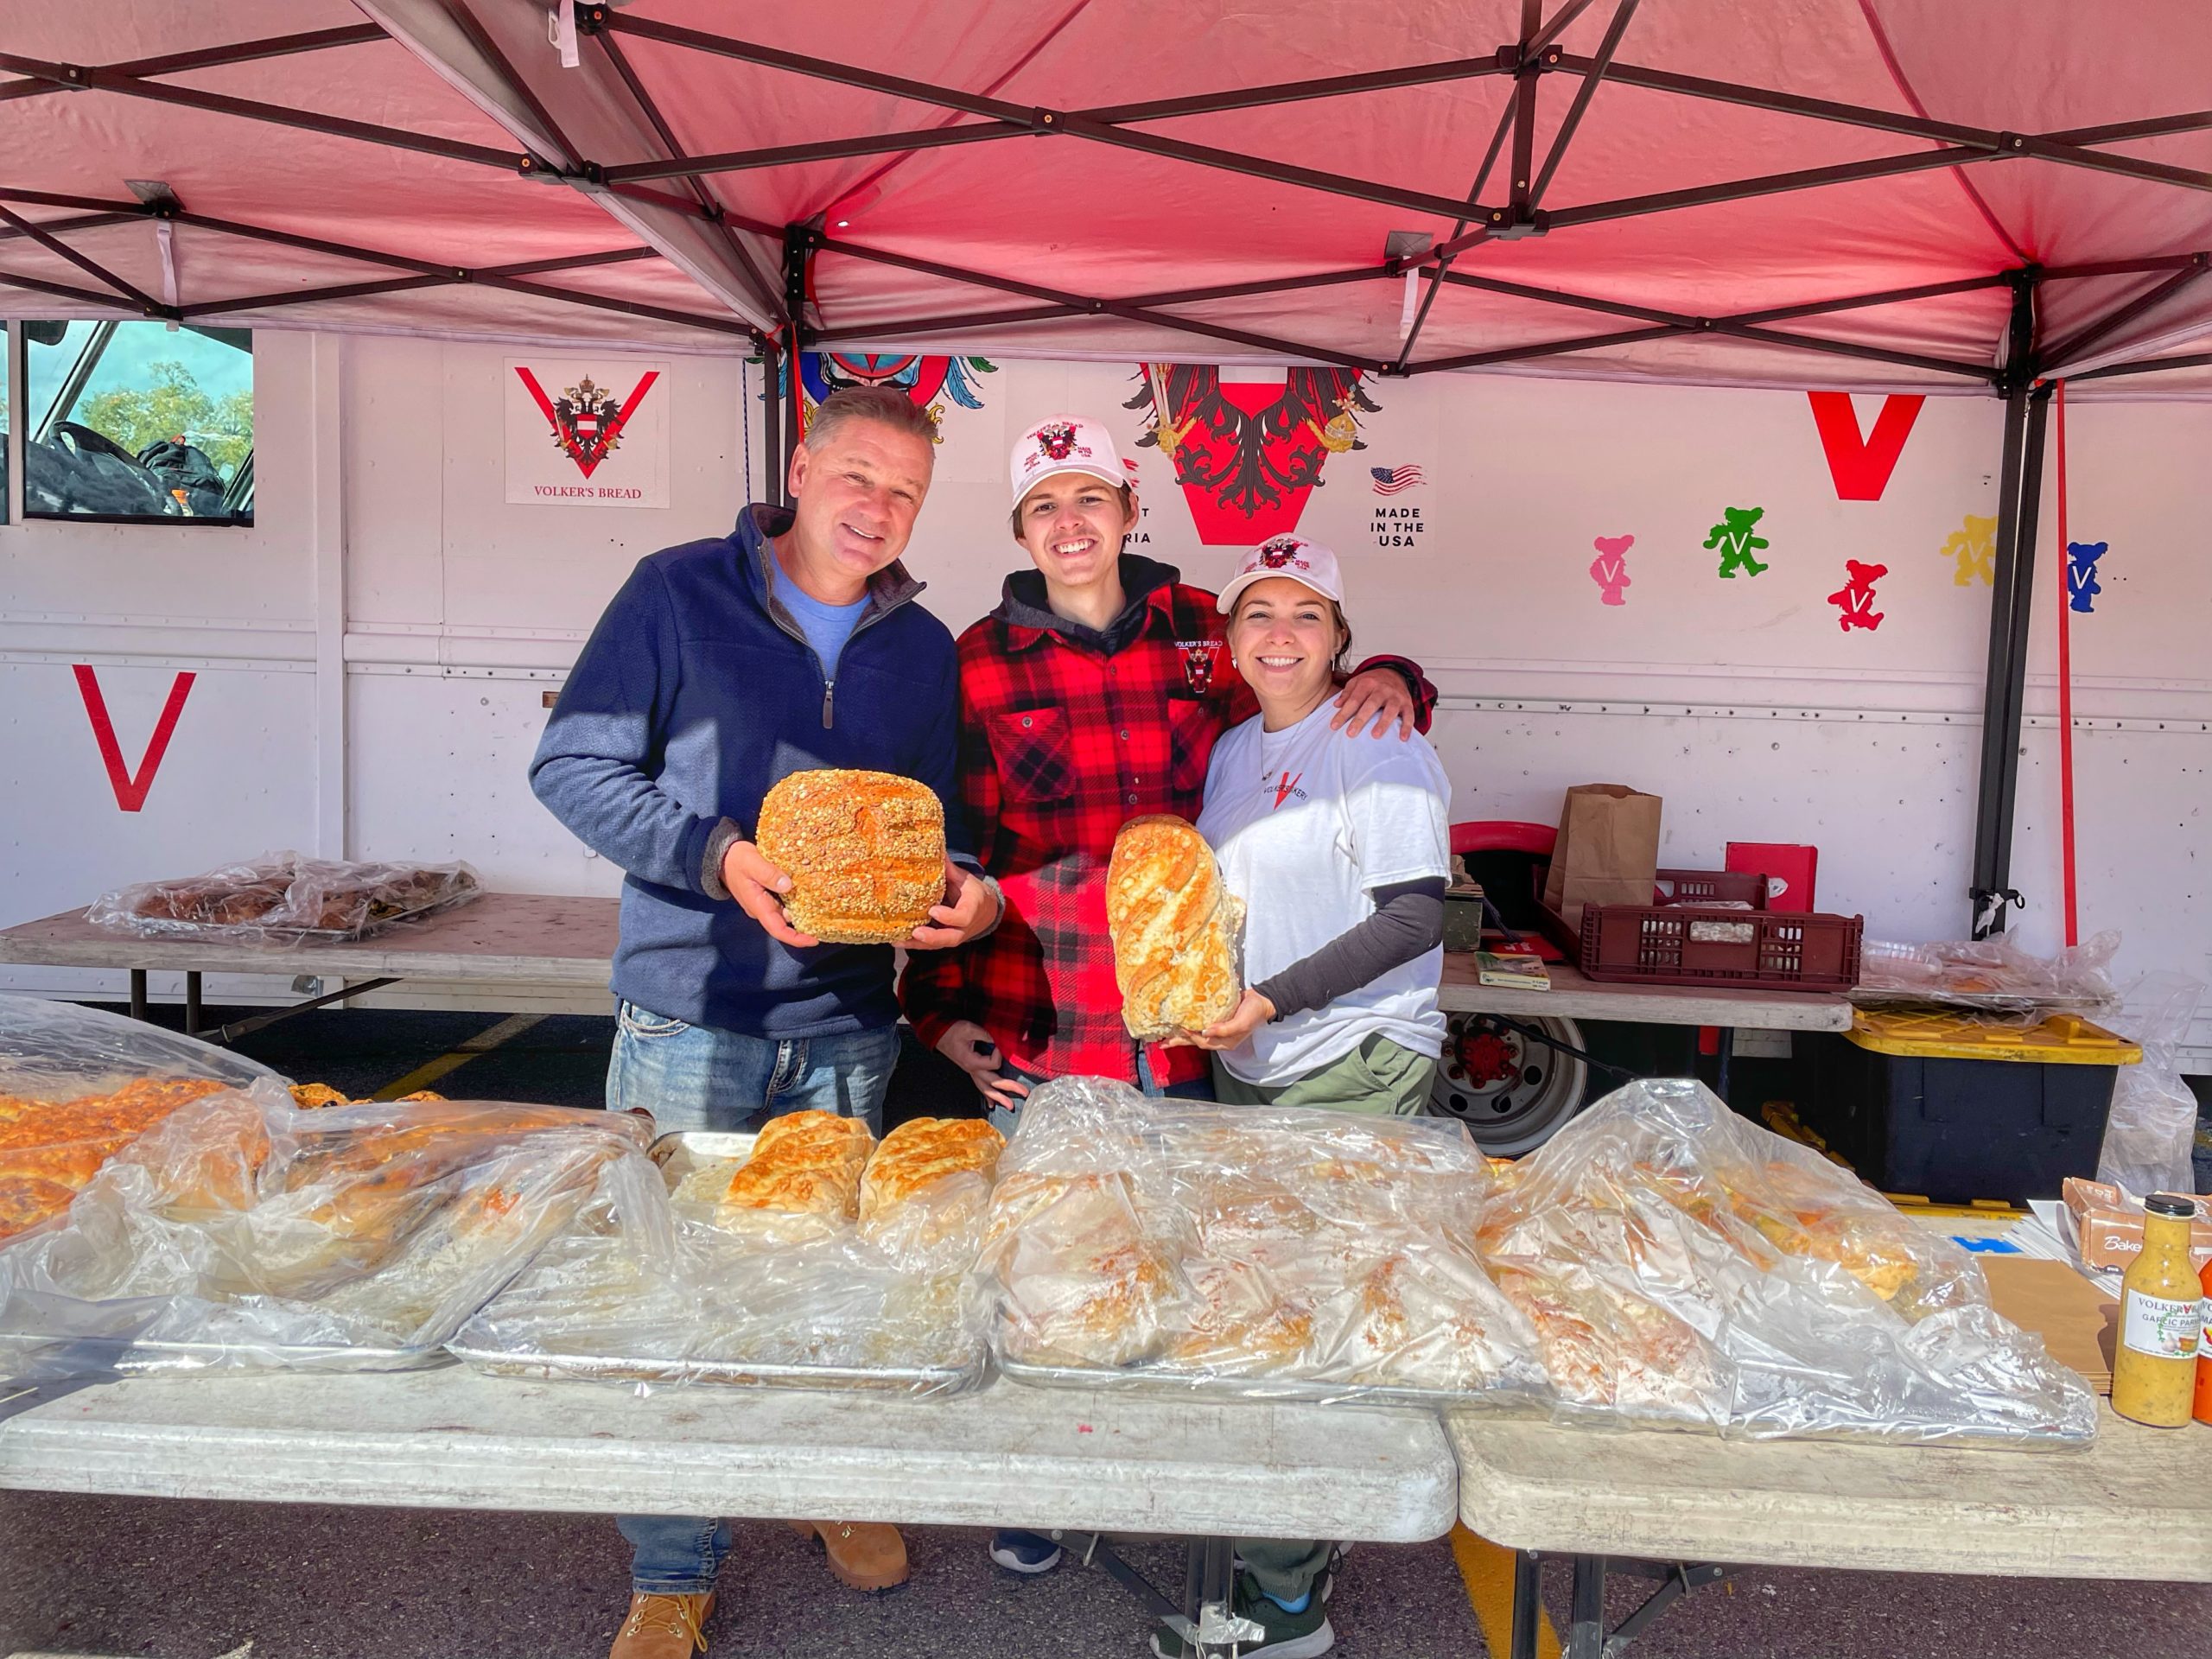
(119, 1357)
(375, 925)
(678, 1153)
(152, 1358)
(170, 927)
(1298, 1390)
(917, 1380)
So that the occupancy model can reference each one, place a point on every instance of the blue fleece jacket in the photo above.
(697, 692)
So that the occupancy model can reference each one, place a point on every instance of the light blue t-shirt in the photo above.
(826, 627)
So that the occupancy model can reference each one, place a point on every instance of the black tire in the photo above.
(1513, 1093)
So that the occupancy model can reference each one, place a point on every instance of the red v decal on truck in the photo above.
(130, 788)
(1861, 467)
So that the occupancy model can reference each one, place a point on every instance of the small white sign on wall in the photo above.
(587, 432)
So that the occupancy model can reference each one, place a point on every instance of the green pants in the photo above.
(1284, 1568)
(1378, 1077)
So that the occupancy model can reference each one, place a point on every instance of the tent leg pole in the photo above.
(1986, 808)
(772, 423)
(799, 244)
(2024, 582)
(2007, 665)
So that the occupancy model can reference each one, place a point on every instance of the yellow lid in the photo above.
(2063, 1039)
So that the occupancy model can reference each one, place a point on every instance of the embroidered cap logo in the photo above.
(1056, 442)
(1198, 657)
(1282, 551)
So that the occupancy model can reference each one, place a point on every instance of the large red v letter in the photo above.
(1861, 468)
(130, 788)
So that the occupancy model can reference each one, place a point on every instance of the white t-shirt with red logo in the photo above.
(1307, 822)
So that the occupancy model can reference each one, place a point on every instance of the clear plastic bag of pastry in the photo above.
(2149, 1134)
(1684, 1266)
(243, 1233)
(283, 897)
(806, 1258)
(1260, 1252)
(77, 1085)
(1994, 976)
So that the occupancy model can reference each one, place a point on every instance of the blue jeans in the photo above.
(674, 1554)
(696, 1077)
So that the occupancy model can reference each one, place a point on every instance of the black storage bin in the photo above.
(1899, 1098)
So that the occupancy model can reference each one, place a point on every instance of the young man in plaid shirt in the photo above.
(1093, 694)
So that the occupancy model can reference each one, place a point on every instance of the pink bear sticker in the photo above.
(1609, 568)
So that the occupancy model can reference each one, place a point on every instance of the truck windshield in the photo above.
(133, 420)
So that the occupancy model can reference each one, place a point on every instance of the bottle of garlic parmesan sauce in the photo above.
(2161, 1320)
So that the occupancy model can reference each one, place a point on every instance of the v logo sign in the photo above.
(130, 788)
(586, 423)
(1861, 467)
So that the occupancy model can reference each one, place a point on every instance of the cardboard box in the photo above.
(1789, 869)
(2107, 1225)
(2076, 1319)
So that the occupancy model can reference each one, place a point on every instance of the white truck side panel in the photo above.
(1742, 701)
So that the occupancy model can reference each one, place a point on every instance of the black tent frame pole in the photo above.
(2019, 495)
(2151, 366)
(2025, 559)
(176, 63)
(772, 422)
(799, 247)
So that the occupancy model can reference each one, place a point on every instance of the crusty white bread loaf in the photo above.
(804, 1163)
(865, 851)
(923, 1151)
(926, 1192)
(1177, 930)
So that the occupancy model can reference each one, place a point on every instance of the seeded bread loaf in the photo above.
(865, 851)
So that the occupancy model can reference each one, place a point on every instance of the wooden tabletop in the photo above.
(2136, 1505)
(500, 936)
(1573, 997)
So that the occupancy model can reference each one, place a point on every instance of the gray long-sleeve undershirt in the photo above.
(1408, 920)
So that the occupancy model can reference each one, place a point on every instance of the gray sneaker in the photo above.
(1284, 1635)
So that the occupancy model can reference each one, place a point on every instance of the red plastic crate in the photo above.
(1682, 943)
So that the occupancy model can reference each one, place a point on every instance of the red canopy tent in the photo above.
(1955, 196)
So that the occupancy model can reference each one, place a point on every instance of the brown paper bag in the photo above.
(1607, 852)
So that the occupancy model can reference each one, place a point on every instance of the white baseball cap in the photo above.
(1065, 443)
(1308, 563)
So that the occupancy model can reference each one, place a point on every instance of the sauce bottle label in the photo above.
(2160, 1326)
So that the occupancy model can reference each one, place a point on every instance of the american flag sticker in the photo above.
(1389, 480)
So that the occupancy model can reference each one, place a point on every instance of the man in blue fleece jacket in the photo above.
(720, 667)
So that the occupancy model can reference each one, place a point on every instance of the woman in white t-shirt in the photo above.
(1341, 851)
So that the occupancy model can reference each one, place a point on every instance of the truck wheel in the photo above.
(1511, 1093)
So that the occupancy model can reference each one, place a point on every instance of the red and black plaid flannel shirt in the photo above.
(1060, 745)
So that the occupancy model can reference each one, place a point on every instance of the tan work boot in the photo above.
(664, 1627)
(865, 1555)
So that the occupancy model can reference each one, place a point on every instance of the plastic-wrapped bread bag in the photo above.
(1683, 1265)
(243, 1232)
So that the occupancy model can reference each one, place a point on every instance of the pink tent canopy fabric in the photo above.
(1075, 179)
